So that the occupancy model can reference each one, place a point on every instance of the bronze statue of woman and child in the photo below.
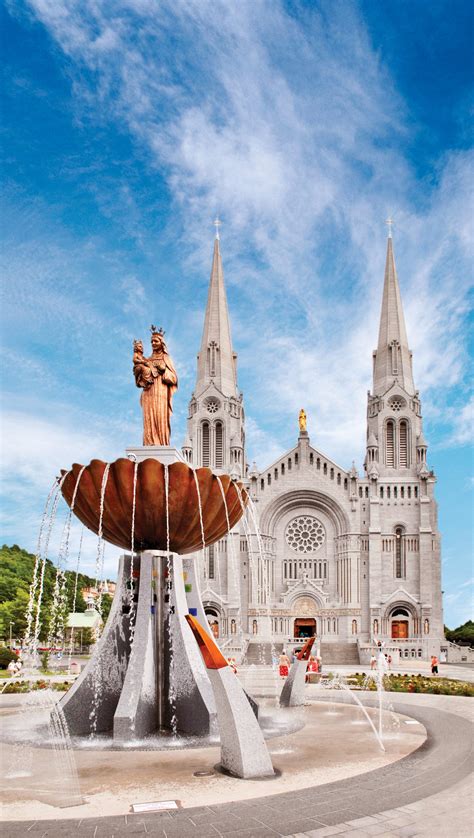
(157, 377)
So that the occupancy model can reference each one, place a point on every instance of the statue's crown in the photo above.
(156, 331)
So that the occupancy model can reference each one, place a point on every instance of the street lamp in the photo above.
(11, 641)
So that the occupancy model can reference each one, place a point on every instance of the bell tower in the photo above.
(394, 423)
(404, 561)
(216, 421)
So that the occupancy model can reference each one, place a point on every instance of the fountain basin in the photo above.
(190, 494)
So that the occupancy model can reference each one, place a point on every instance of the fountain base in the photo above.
(158, 682)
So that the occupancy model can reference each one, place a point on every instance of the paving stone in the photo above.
(401, 820)
(262, 832)
(358, 822)
(226, 825)
(378, 828)
(339, 817)
(409, 831)
(292, 827)
(326, 831)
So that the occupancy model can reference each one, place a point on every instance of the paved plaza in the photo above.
(428, 792)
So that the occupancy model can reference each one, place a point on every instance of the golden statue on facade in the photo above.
(157, 377)
(302, 420)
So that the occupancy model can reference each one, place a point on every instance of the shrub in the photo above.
(6, 655)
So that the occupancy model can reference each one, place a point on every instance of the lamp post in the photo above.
(11, 641)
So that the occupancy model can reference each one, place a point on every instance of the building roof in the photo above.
(84, 619)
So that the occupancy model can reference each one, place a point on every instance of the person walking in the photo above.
(284, 663)
(434, 665)
(373, 661)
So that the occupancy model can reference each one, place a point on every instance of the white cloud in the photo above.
(293, 130)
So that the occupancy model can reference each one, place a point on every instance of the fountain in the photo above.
(146, 674)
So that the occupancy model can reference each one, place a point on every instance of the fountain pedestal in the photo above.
(158, 682)
(164, 453)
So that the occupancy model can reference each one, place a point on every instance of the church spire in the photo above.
(392, 359)
(216, 359)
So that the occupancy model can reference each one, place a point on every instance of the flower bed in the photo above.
(415, 684)
(31, 686)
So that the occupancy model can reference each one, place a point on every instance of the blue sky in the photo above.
(128, 126)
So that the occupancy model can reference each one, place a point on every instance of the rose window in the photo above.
(305, 534)
(396, 403)
(212, 406)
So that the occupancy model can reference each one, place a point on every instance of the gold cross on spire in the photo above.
(217, 224)
(389, 222)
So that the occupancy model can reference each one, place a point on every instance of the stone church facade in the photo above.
(354, 558)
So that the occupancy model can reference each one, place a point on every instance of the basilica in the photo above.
(352, 558)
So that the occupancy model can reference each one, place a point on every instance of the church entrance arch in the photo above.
(305, 611)
(304, 627)
(399, 624)
(213, 616)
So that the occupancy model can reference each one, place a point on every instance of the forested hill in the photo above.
(16, 573)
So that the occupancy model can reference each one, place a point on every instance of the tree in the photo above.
(15, 580)
(464, 635)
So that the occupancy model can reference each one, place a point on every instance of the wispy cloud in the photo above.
(290, 126)
(304, 157)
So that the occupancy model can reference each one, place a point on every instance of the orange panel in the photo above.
(306, 650)
(212, 655)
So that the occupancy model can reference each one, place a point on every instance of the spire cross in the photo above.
(389, 222)
(217, 224)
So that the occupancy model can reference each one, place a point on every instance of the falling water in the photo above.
(132, 558)
(59, 604)
(64, 754)
(233, 561)
(381, 672)
(34, 581)
(74, 599)
(339, 682)
(54, 508)
(169, 586)
(203, 539)
(262, 596)
(267, 586)
(99, 563)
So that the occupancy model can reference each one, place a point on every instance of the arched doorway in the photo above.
(399, 620)
(305, 610)
(304, 627)
(213, 620)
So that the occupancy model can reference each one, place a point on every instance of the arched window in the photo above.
(390, 444)
(354, 626)
(211, 565)
(254, 627)
(219, 445)
(205, 445)
(403, 443)
(399, 553)
(426, 626)
(381, 492)
(376, 626)
(233, 627)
